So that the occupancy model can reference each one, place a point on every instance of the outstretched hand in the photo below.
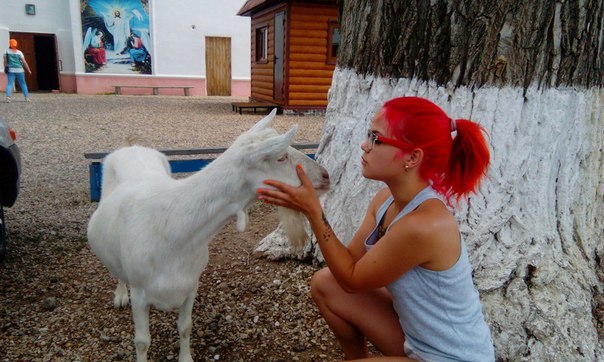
(302, 198)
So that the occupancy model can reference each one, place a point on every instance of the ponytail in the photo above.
(468, 161)
(454, 165)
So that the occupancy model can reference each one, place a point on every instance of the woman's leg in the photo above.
(21, 79)
(356, 318)
(10, 83)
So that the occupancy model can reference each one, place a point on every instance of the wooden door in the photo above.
(218, 66)
(27, 47)
(278, 71)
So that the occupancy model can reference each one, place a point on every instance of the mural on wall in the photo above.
(116, 36)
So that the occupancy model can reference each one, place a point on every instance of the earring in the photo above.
(406, 168)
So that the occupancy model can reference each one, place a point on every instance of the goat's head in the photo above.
(269, 155)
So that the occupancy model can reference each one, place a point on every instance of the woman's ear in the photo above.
(415, 157)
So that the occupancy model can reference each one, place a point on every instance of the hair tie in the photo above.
(453, 125)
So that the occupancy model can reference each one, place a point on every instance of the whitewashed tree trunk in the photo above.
(535, 229)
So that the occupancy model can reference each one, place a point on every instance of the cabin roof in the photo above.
(252, 6)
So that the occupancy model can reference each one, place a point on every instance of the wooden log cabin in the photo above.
(294, 44)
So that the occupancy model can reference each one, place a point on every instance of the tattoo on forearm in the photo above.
(328, 232)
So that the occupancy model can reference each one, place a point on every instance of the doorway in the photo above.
(218, 66)
(40, 51)
(278, 65)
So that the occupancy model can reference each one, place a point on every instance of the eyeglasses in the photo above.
(375, 139)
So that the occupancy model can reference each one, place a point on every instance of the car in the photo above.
(10, 172)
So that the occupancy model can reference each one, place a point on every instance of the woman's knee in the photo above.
(320, 283)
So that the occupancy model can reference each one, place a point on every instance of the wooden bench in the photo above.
(240, 106)
(95, 167)
(118, 88)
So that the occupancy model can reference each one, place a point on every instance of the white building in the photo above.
(199, 43)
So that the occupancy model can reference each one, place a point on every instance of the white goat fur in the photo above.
(152, 231)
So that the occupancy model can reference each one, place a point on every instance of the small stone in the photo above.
(50, 303)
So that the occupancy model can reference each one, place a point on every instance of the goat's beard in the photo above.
(294, 223)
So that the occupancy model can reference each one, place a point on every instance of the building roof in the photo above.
(252, 6)
(246, 9)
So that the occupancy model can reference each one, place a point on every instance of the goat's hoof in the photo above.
(185, 358)
(120, 301)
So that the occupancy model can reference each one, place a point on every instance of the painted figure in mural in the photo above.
(119, 28)
(135, 48)
(117, 20)
(15, 64)
(95, 49)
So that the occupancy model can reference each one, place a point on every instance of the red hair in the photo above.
(453, 165)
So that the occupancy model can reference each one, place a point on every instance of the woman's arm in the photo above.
(397, 252)
(25, 65)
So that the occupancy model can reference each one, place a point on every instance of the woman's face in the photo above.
(380, 160)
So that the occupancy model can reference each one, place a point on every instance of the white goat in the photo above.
(152, 231)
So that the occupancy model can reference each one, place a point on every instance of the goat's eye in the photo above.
(283, 158)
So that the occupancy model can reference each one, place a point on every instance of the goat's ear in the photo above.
(272, 146)
(266, 122)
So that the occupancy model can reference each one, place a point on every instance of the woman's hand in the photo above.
(302, 198)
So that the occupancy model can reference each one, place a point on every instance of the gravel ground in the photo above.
(56, 297)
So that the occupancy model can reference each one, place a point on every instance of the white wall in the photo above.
(179, 31)
(52, 17)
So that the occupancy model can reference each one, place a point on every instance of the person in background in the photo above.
(15, 62)
(404, 282)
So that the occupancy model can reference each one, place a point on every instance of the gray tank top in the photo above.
(439, 311)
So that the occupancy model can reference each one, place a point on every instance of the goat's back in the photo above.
(132, 164)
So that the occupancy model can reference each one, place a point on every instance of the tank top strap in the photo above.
(423, 195)
(382, 210)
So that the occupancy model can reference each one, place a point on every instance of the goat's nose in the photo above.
(325, 176)
(325, 183)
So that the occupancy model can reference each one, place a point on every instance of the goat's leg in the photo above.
(184, 328)
(120, 298)
(140, 314)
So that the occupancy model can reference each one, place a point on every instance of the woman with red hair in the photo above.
(404, 283)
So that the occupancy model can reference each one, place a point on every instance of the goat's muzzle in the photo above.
(324, 184)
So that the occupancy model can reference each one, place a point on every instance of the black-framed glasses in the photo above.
(375, 139)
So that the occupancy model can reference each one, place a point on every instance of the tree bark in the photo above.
(476, 42)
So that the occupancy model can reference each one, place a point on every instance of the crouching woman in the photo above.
(404, 283)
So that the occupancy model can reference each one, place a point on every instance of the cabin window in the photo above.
(262, 44)
(333, 41)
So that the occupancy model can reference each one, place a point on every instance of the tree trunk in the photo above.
(476, 42)
(531, 72)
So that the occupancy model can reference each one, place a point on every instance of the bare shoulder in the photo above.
(432, 216)
(435, 228)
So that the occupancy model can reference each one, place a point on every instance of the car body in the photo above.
(10, 172)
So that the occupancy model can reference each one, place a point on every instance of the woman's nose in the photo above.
(364, 146)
